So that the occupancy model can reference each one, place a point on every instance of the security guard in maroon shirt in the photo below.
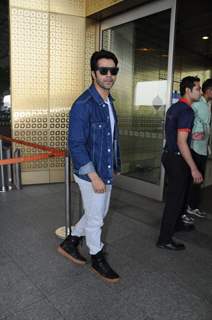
(177, 160)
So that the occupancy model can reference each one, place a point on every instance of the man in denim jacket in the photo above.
(93, 143)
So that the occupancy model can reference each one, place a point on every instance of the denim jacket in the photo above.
(90, 141)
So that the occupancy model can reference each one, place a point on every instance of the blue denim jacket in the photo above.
(90, 142)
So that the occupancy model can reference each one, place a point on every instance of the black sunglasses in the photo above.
(104, 70)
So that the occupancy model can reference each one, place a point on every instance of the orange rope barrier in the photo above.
(25, 159)
(34, 145)
(52, 152)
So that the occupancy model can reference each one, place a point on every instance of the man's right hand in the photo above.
(97, 183)
(182, 137)
(198, 136)
(197, 176)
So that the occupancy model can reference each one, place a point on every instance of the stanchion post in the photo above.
(17, 170)
(63, 232)
(9, 169)
(67, 195)
(3, 186)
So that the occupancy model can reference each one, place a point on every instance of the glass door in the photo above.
(143, 41)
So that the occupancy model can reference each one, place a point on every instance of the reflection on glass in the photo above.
(150, 93)
(5, 105)
(140, 91)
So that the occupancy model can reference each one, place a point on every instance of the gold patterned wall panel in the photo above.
(66, 77)
(67, 51)
(70, 7)
(32, 126)
(91, 45)
(29, 59)
(58, 139)
(29, 81)
(93, 6)
(41, 5)
(47, 73)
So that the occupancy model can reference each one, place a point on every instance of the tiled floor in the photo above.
(38, 284)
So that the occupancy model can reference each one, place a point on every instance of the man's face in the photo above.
(209, 94)
(104, 81)
(195, 93)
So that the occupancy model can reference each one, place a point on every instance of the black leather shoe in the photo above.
(102, 268)
(184, 227)
(69, 249)
(172, 245)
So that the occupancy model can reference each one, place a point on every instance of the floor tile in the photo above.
(16, 289)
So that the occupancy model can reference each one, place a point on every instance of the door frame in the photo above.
(131, 184)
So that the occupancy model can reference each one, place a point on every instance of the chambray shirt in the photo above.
(202, 116)
(90, 137)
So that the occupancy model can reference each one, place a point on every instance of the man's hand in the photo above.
(198, 136)
(197, 176)
(182, 137)
(97, 183)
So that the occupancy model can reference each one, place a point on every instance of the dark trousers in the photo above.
(178, 174)
(195, 189)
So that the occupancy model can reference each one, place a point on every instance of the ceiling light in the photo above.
(145, 49)
(205, 37)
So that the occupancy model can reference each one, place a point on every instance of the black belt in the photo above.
(177, 153)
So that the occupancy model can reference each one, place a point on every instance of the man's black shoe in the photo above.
(69, 249)
(172, 245)
(184, 227)
(102, 267)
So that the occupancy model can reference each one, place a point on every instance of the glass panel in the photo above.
(193, 45)
(140, 91)
(5, 105)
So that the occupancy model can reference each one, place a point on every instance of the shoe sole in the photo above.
(186, 229)
(104, 278)
(188, 223)
(68, 256)
(166, 248)
(198, 216)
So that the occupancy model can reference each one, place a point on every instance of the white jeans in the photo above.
(95, 209)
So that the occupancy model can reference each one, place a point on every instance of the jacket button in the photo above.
(100, 125)
(108, 150)
(109, 166)
(108, 181)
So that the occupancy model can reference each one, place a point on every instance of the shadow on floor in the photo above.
(207, 199)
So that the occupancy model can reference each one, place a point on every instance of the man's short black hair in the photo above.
(207, 84)
(187, 82)
(102, 54)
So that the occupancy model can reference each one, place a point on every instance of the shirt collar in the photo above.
(203, 99)
(95, 94)
(184, 100)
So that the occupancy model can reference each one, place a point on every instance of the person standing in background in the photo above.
(200, 146)
(177, 160)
